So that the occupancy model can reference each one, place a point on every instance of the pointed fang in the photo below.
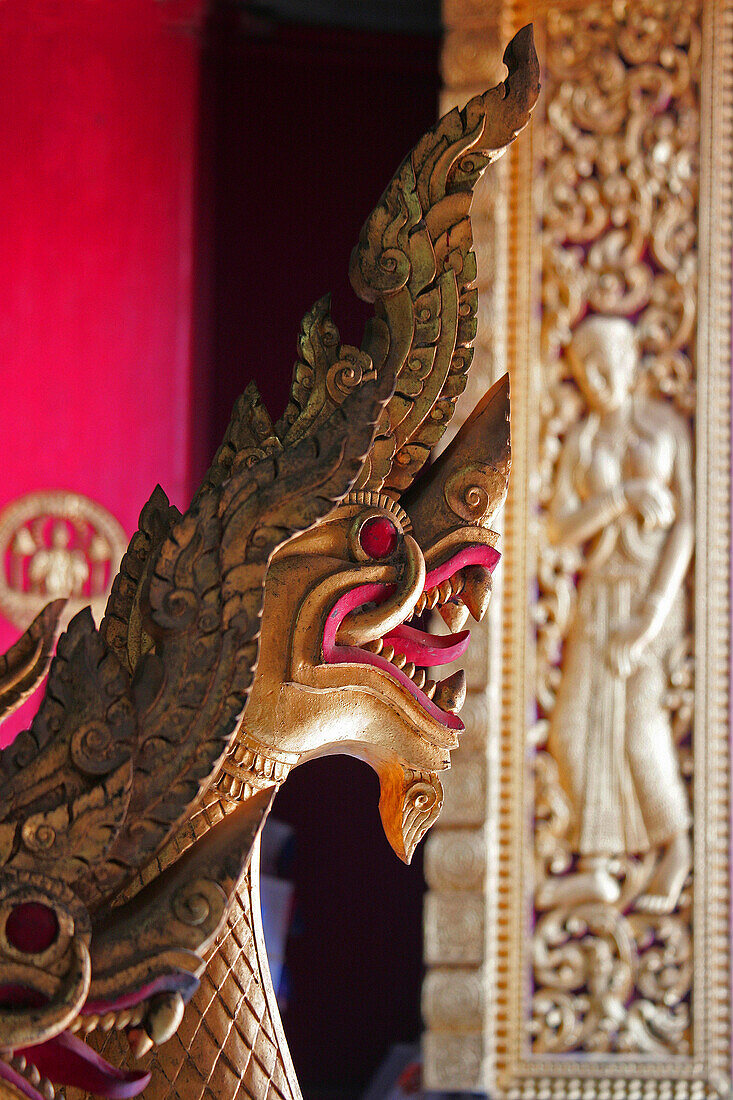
(477, 590)
(454, 615)
(450, 694)
(140, 1042)
(164, 1016)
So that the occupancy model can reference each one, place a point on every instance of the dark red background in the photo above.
(180, 183)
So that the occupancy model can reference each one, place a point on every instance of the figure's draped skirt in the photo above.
(611, 737)
(230, 1043)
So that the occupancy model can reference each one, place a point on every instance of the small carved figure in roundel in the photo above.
(56, 544)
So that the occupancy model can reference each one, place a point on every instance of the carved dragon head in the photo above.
(278, 619)
(351, 595)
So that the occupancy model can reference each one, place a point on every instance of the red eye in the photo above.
(378, 537)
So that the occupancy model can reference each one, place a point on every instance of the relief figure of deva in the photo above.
(624, 494)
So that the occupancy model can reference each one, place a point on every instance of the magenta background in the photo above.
(98, 131)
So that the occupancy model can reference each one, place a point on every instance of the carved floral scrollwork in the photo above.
(619, 217)
(589, 964)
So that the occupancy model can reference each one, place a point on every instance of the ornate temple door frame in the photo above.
(565, 959)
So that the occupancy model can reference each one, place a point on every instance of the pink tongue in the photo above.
(428, 649)
(66, 1060)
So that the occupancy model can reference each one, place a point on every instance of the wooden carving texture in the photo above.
(619, 208)
(230, 1041)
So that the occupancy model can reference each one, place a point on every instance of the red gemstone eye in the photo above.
(32, 927)
(378, 537)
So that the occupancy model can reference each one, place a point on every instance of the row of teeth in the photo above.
(148, 1023)
(416, 674)
(473, 585)
(441, 594)
(33, 1077)
(140, 1043)
(448, 694)
(126, 1017)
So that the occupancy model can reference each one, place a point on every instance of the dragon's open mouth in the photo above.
(457, 587)
(67, 1060)
(37, 1071)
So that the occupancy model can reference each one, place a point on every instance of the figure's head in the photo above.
(344, 664)
(604, 356)
(60, 535)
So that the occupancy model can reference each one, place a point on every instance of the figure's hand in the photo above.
(653, 502)
(626, 648)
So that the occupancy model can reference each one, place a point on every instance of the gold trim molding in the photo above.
(617, 204)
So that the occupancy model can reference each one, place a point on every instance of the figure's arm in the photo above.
(572, 521)
(677, 551)
(628, 644)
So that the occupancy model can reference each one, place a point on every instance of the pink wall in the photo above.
(99, 134)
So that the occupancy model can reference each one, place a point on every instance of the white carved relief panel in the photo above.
(603, 892)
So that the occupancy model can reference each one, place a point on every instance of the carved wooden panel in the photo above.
(595, 868)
